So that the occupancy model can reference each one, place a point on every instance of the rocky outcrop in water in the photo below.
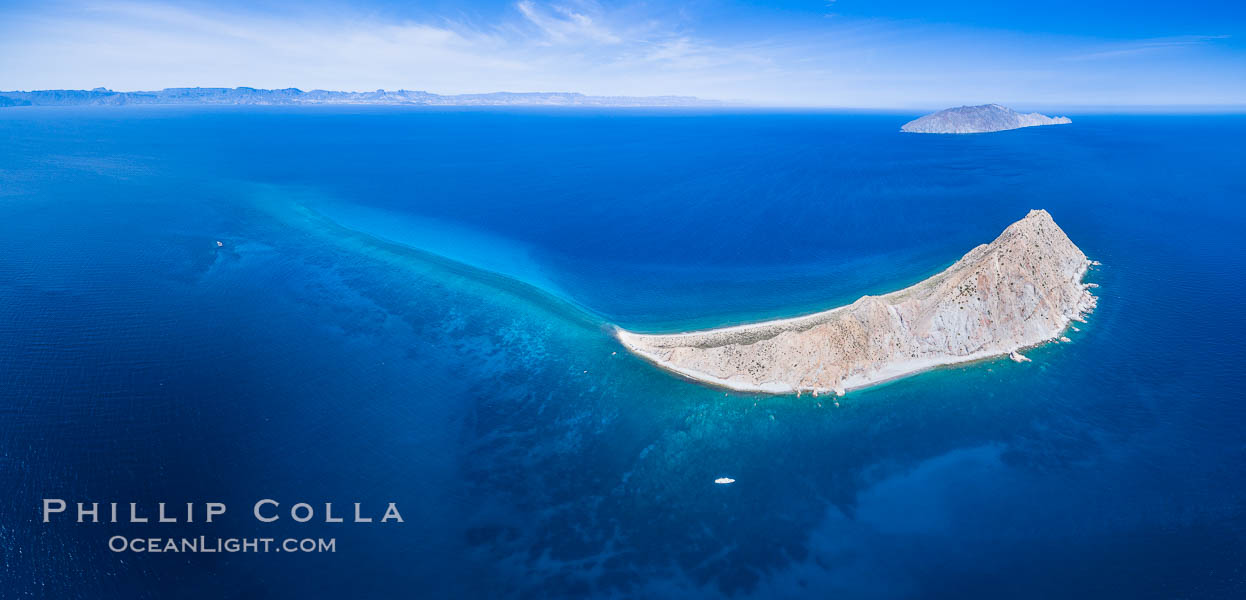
(979, 119)
(1020, 290)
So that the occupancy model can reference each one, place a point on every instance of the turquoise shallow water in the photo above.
(413, 306)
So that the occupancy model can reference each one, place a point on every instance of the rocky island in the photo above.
(979, 119)
(1021, 290)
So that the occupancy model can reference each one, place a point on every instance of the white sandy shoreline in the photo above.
(742, 366)
(895, 371)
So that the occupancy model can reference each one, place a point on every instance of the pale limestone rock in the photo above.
(1020, 290)
(979, 119)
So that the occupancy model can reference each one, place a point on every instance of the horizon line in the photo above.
(708, 102)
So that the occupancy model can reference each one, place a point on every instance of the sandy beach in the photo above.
(1021, 290)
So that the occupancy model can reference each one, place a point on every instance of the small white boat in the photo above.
(724, 480)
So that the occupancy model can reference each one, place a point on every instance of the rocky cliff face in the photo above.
(1020, 290)
(978, 119)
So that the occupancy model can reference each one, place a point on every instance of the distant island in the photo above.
(979, 119)
(294, 96)
(1020, 290)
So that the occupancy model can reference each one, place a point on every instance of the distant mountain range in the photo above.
(294, 96)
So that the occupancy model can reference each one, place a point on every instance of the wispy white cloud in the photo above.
(549, 47)
(1147, 46)
(562, 24)
(580, 45)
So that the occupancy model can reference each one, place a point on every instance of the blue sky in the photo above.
(841, 53)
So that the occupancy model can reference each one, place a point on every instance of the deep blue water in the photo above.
(413, 306)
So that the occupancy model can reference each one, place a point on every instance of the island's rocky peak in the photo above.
(1020, 290)
(979, 119)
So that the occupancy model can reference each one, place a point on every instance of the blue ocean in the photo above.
(415, 306)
